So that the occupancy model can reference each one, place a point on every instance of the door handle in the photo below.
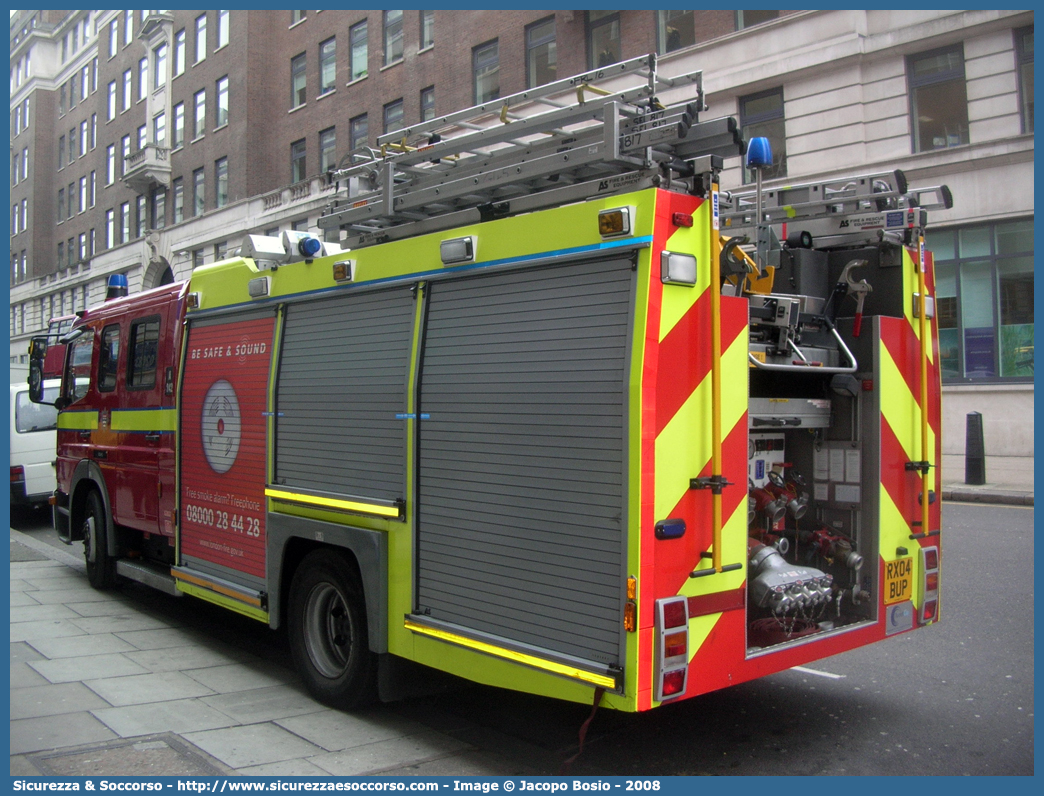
(153, 437)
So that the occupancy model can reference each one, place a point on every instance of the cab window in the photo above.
(143, 347)
(78, 368)
(108, 358)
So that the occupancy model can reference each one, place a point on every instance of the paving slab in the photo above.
(138, 689)
(56, 732)
(162, 638)
(89, 667)
(21, 598)
(335, 731)
(53, 700)
(264, 704)
(179, 716)
(252, 745)
(80, 646)
(128, 620)
(38, 612)
(73, 597)
(393, 753)
(22, 652)
(51, 628)
(230, 678)
(284, 768)
(24, 676)
(187, 658)
(158, 755)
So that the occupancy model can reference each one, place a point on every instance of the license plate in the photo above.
(898, 584)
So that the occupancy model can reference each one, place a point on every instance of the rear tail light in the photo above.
(17, 474)
(929, 584)
(672, 648)
(673, 684)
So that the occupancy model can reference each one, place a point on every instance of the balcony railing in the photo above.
(147, 168)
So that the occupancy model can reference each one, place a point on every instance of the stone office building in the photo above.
(148, 142)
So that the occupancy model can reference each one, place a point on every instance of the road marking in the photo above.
(816, 672)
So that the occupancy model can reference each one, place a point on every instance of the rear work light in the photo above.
(929, 585)
(17, 474)
(615, 223)
(672, 648)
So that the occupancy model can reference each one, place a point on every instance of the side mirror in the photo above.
(37, 352)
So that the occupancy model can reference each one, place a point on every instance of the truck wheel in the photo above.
(328, 631)
(101, 567)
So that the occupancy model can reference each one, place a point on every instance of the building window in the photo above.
(201, 38)
(61, 152)
(297, 81)
(360, 51)
(159, 208)
(222, 101)
(178, 137)
(159, 129)
(61, 209)
(83, 138)
(746, 19)
(297, 16)
(220, 251)
(141, 222)
(392, 37)
(541, 61)
(221, 181)
(761, 116)
(128, 27)
(199, 119)
(94, 188)
(82, 203)
(393, 116)
(83, 249)
(160, 56)
(114, 38)
(72, 200)
(327, 66)
(112, 101)
(485, 69)
(297, 160)
(72, 145)
(327, 149)
(110, 164)
(142, 137)
(603, 38)
(199, 192)
(938, 99)
(94, 130)
(359, 132)
(143, 78)
(222, 28)
(125, 222)
(125, 141)
(197, 258)
(427, 29)
(674, 29)
(427, 103)
(128, 83)
(178, 188)
(1024, 56)
(179, 52)
(984, 300)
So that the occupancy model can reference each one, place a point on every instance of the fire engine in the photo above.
(543, 408)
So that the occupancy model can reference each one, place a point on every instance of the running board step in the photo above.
(148, 574)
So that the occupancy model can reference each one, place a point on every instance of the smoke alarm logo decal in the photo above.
(221, 426)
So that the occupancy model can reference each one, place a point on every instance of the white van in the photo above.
(33, 439)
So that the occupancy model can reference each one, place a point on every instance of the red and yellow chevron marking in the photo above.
(676, 431)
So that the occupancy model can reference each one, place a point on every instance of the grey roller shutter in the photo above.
(342, 380)
(521, 458)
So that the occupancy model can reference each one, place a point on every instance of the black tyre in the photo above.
(101, 567)
(327, 619)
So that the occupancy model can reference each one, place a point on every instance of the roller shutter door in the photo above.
(521, 457)
(342, 380)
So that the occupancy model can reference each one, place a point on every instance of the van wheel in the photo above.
(101, 567)
(328, 631)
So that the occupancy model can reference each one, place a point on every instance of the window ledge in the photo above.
(220, 47)
(329, 93)
(392, 64)
(198, 138)
(221, 127)
(298, 107)
(299, 22)
(427, 49)
(357, 80)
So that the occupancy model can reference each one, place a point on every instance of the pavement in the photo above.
(128, 683)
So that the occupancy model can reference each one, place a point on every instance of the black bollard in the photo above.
(974, 451)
